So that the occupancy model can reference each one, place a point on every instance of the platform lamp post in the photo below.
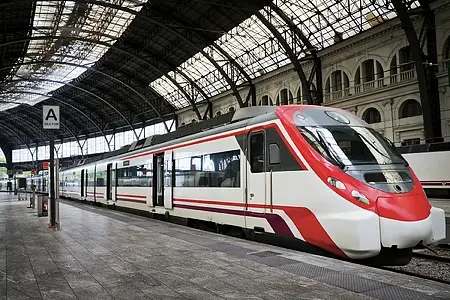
(51, 121)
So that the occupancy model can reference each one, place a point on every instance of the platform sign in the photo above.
(45, 165)
(33, 172)
(50, 117)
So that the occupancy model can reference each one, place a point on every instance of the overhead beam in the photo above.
(87, 40)
(83, 67)
(39, 110)
(83, 90)
(69, 105)
(297, 67)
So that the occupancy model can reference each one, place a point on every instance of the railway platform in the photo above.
(106, 254)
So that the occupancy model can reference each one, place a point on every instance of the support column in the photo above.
(318, 96)
(426, 77)
(52, 182)
(432, 69)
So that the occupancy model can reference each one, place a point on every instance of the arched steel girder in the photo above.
(16, 135)
(174, 82)
(46, 95)
(21, 116)
(317, 68)
(85, 91)
(147, 19)
(65, 127)
(38, 116)
(298, 68)
(291, 25)
(93, 41)
(89, 108)
(212, 43)
(83, 67)
(103, 90)
(69, 105)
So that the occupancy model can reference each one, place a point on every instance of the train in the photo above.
(317, 175)
(430, 167)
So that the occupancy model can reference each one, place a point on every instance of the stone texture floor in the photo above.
(105, 254)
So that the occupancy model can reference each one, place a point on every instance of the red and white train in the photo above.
(317, 174)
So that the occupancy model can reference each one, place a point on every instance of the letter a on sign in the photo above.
(50, 117)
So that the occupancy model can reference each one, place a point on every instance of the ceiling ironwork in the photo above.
(117, 64)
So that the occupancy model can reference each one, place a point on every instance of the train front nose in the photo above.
(404, 220)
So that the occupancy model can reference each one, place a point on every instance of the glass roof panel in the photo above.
(66, 34)
(256, 49)
(69, 32)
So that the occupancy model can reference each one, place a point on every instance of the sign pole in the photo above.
(50, 120)
(52, 182)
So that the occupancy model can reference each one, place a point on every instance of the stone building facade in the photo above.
(370, 74)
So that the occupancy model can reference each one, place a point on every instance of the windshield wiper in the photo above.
(395, 150)
(330, 153)
(373, 147)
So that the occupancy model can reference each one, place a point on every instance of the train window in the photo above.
(100, 178)
(210, 170)
(274, 154)
(135, 176)
(257, 152)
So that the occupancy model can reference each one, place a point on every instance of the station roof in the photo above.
(119, 64)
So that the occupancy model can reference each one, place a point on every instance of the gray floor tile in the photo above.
(95, 292)
(124, 292)
(105, 254)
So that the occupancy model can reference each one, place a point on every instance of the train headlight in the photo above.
(336, 183)
(360, 197)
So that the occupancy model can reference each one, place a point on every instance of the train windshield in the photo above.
(351, 145)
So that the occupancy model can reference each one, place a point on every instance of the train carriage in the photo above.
(317, 174)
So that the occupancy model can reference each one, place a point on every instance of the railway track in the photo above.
(428, 265)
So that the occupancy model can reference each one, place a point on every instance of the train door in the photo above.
(158, 179)
(86, 180)
(256, 177)
(114, 182)
(109, 189)
(82, 184)
(168, 179)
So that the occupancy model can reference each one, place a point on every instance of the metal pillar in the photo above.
(425, 70)
(52, 182)
(432, 69)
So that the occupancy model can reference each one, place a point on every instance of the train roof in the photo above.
(225, 122)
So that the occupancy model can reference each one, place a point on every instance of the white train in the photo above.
(317, 174)
(433, 170)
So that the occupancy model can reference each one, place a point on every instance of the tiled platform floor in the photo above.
(104, 254)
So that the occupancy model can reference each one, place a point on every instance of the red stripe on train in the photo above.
(304, 219)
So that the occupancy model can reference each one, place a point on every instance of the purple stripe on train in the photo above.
(275, 221)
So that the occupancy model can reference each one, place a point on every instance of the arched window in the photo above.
(372, 115)
(218, 114)
(194, 121)
(285, 97)
(410, 108)
(337, 84)
(405, 59)
(266, 100)
(231, 109)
